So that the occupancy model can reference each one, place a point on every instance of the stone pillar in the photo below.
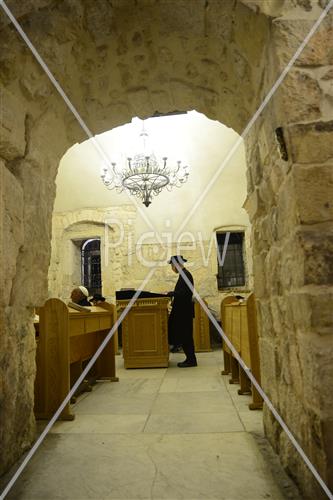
(27, 191)
(290, 183)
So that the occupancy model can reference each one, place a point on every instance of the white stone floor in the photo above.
(158, 434)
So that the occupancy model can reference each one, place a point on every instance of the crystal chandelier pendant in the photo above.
(143, 175)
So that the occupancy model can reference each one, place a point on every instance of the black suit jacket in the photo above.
(181, 316)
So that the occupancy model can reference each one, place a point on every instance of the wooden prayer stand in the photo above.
(201, 334)
(145, 333)
(254, 358)
(240, 325)
(229, 361)
(67, 338)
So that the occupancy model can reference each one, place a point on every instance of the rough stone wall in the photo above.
(27, 189)
(113, 226)
(134, 58)
(291, 211)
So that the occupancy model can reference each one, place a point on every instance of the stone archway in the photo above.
(82, 224)
(138, 58)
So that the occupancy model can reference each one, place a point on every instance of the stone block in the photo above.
(293, 367)
(264, 317)
(299, 98)
(286, 210)
(273, 271)
(254, 205)
(270, 371)
(12, 231)
(314, 193)
(318, 257)
(276, 175)
(161, 101)
(321, 312)
(188, 18)
(256, 26)
(12, 126)
(218, 21)
(327, 430)
(315, 354)
(282, 319)
(301, 310)
(260, 284)
(311, 142)
(30, 285)
(140, 102)
(17, 370)
(290, 33)
(292, 264)
(182, 94)
(44, 158)
(267, 195)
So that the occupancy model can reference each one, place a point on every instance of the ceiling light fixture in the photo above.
(143, 175)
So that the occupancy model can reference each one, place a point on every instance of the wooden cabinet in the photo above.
(201, 334)
(145, 333)
(66, 339)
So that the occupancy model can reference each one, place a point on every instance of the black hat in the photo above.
(97, 297)
(179, 259)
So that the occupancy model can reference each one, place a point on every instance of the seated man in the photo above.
(80, 296)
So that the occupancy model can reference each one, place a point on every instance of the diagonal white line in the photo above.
(225, 248)
(255, 116)
(98, 147)
(254, 382)
(203, 305)
(92, 361)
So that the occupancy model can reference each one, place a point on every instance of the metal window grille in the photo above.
(91, 266)
(231, 273)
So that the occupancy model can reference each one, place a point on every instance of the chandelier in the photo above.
(143, 175)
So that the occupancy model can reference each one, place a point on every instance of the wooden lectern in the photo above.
(201, 335)
(145, 333)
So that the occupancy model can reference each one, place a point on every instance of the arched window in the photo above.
(91, 265)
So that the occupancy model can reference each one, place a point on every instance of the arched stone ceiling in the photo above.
(123, 59)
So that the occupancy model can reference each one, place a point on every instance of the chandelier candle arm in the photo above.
(143, 176)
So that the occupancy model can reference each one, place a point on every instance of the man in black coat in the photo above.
(180, 323)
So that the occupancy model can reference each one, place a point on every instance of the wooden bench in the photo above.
(66, 339)
(239, 323)
(201, 334)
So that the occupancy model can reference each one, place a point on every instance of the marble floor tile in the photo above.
(96, 404)
(185, 383)
(151, 373)
(130, 385)
(191, 423)
(148, 466)
(192, 402)
(102, 424)
(199, 371)
(252, 420)
(157, 434)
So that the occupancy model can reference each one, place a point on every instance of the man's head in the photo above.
(79, 293)
(177, 261)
